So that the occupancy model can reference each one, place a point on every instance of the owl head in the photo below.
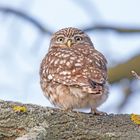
(70, 37)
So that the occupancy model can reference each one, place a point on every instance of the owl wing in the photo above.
(75, 67)
(90, 69)
(97, 68)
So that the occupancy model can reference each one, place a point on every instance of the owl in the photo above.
(73, 74)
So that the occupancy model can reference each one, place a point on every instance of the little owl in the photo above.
(73, 74)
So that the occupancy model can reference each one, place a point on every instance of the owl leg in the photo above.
(97, 112)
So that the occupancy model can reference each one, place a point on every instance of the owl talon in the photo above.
(97, 112)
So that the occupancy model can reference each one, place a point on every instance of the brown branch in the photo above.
(123, 70)
(42, 28)
(26, 17)
(43, 123)
(111, 28)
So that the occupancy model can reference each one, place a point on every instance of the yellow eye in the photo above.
(60, 39)
(78, 38)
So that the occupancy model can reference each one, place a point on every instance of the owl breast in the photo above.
(63, 65)
(74, 66)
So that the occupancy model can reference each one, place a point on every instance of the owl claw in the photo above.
(97, 112)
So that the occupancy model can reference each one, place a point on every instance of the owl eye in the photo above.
(60, 39)
(78, 38)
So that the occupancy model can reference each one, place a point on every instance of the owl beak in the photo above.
(69, 43)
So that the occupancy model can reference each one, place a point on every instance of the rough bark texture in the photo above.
(43, 123)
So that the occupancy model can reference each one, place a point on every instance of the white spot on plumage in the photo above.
(78, 64)
(97, 63)
(95, 71)
(96, 75)
(58, 69)
(52, 61)
(68, 63)
(73, 58)
(84, 70)
(96, 57)
(73, 71)
(50, 77)
(84, 73)
(78, 76)
(67, 80)
(78, 60)
(71, 61)
(44, 80)
(46, 70)
(65, 73)
(61, 55)
(56, 61)
(66, 55)
(90, 60)
(68, 76)
(62, 61)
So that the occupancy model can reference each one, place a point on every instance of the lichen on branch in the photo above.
(39, 122)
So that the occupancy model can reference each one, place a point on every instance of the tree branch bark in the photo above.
(123, 70)
(33, 21)
(43, 123)
(43, 29)
(117, 29)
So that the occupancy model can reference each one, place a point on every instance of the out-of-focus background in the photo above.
(25, 29)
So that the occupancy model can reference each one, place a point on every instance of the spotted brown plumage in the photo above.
(73, 73)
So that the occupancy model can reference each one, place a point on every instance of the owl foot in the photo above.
(97, 112)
